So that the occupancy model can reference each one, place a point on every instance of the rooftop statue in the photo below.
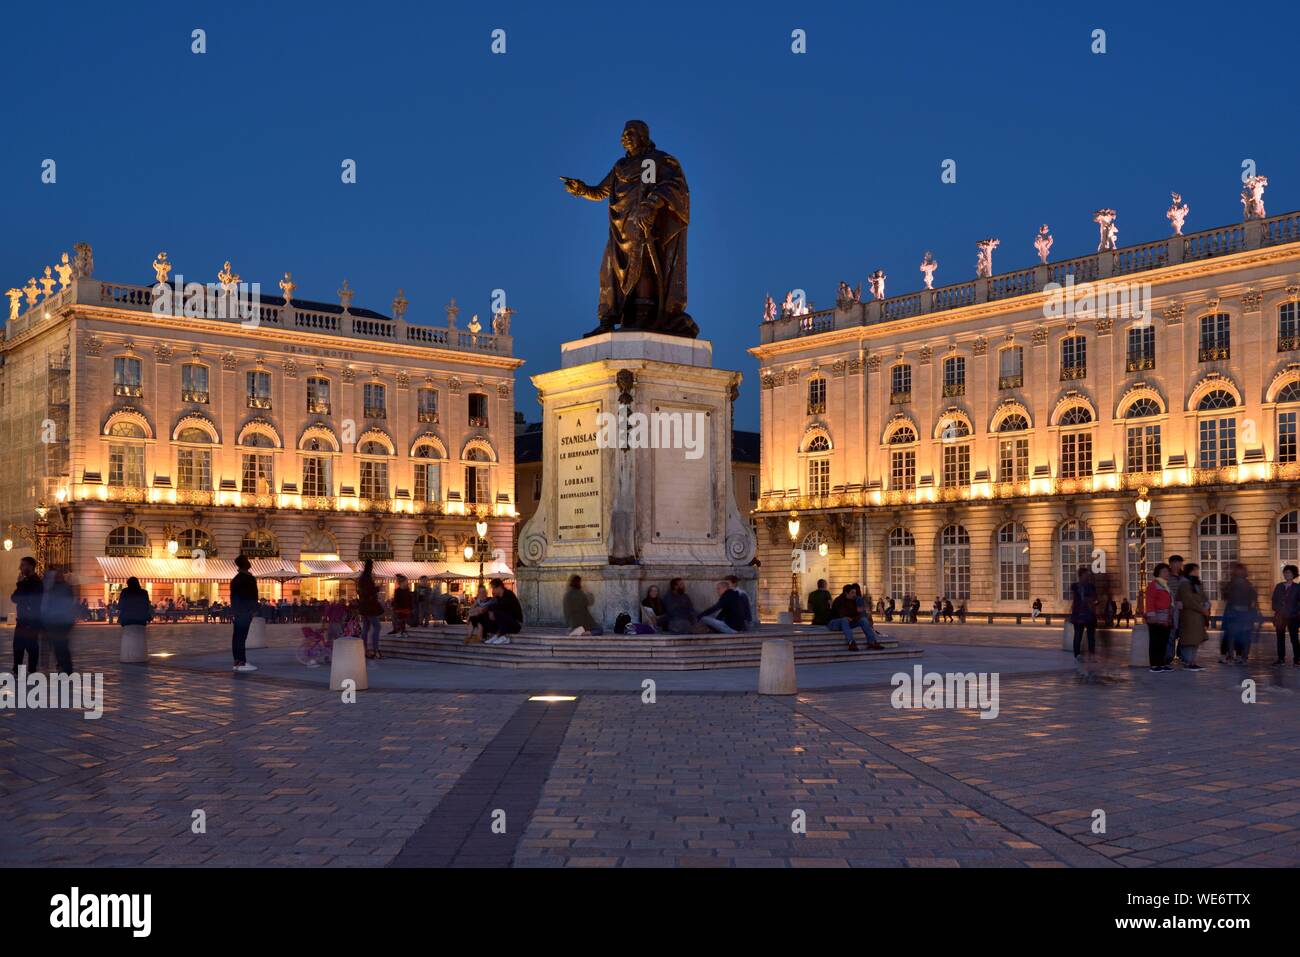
(643, 272)
(1177, 213)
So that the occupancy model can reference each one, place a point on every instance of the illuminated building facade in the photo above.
(981, 441)
(303, 431)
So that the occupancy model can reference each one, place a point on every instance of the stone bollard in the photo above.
(776, 667)
(256, 634)
(348, 660)
(1139, 649)
(784, 618)
(135, 644)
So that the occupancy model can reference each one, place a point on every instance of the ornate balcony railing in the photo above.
(1214, 353)
(816, 408)
(259, 402)
(952, 390)
(130, 391)
(1139, 363)
(194, 395)
(1288, 343)
(902, 397)
(376, 412)
(1072, 373)
(318, 407)
(1129, 260)
(426, 416)
(1011, 381)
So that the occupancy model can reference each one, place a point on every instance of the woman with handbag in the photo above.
(1159, 616)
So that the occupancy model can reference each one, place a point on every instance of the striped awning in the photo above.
(412, 570)
(178, 570)
(328, 569)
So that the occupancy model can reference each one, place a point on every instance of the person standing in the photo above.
(1083, 612)
(1240, 610)
(369, 608)
(423, 601)
(746, 609)
(134, 607)
(1126, 612)
(1159, 612)
(27, 606)
(1175, 583)
(58, 615)
(1286, 614)
(1195, 610)
(243, 603)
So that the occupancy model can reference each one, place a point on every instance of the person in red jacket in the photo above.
(1160, 602)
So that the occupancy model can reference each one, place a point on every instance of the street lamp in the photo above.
(1143, 506)
(173, 547)
(9, 544)
(793, 527)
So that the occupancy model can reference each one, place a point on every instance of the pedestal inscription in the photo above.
(579, 484)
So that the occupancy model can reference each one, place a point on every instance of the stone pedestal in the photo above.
(348, 660)
(256, 634)
(135, 644)
(636, 477)
(776, 668)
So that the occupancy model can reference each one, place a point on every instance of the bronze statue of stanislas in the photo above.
(643, 273)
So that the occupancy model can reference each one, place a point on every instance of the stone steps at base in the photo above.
(614, 653)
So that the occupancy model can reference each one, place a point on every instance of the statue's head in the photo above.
(636, 136)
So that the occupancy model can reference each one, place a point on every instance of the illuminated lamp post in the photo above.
(1143, 506)
(792, 526)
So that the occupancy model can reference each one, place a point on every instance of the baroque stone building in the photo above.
(983, 440)
(308, 435)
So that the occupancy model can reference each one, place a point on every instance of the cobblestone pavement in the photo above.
(285, 773)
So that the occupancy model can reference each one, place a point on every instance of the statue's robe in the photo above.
(627, 253)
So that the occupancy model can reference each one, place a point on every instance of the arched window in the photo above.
(1288, 539)
(1142, 441)
(819, 443)
(955, 458)
(127, 541)
(258, 440)
(1217, 399)
(1216, 434)
(428, 548)
(126, 429)
(902, 461)
(194, 435)
(1074, 541)
(1013, 452)
(194, 466)
(1143, 408)
(195, 542)
(902, 563)
(1136, 576)
(1013, 562)
(428, 473)
(319, 542)
(1287, 421)
(259, 543)
(1217, 540)
(954, 558)
(372, 448)
(1076, 444)
(374, 545)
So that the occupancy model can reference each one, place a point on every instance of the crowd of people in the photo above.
(674, 612)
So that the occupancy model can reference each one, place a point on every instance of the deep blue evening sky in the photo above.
(804, 169)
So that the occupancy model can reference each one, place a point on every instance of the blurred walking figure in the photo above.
(1195, 610)
(403, 606)
(1083, 612)
(1240, 611)
(27, 604)
(58, 615)
(369, 608)
(1286, 614)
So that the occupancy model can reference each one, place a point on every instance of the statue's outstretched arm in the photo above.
(595, 193)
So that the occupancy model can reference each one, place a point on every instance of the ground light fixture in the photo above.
(553, 698)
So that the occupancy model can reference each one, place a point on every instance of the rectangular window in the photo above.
(315, 475)
(258, 390)
(374, 479)
(476, 484)
(1216, 340)
(954, 376)
(257, 475)
(816, 396)
(1013, 460)
(375, 400)
(1011, 368)
(126, 465)
(753, 489)
(901, 385)
(902, 469)
(956, 465)
(478, 411)
(1286, 437)
(1218, 443)
(194, 383)
(428, 482)
(819, 476)
(427, 405)
(1288, 326)
(1076, 454)
(194, 469)
(126, 377)
(1074, 358)
(1142, 447)
(318, 396)
(1141, 349)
